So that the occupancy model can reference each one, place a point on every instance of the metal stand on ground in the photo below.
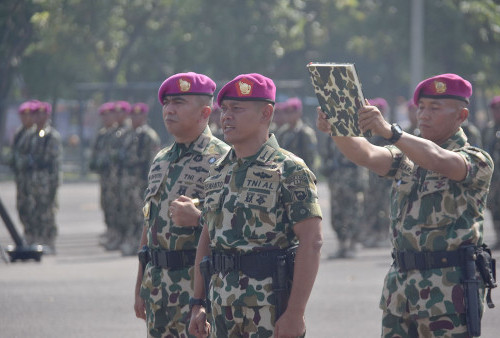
(21, 251)
(4, 255)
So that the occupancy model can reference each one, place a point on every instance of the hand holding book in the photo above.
(339, 94)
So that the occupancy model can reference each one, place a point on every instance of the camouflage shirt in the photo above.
(176, 170)
(430, 212)
(252, 204)
(300, 140)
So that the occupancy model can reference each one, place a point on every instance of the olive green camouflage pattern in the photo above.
(43, 180)
(18, 162)
(300, 140)
(139, 145)
(176, 170)
(100, 163)
(243, 321)
(253, 204)
(430, 212)
(347, 184)
(377, 205)
(339, 95)
(491, 142)
(452, 325)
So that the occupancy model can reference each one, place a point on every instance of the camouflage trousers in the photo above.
(167, 322)
(242, 321)
(453, 325)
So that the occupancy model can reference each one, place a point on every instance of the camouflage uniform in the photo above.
(253, 204)
(140, 147)
(300, 140)
(118, 224)
(377, 206)
(176, 170)
(430, 212)
(18, 161)
(100, 163)
(44, 178)
(491, 143)
(347, 183)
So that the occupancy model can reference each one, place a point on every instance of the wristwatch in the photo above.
(397, 131)
(197, 301)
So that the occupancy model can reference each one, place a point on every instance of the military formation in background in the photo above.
(491, 143)
(295, 135)
(125, 145)
(35, 159)
(121, 154)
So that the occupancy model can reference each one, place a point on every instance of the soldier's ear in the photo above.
(205, 111)
(267, 112)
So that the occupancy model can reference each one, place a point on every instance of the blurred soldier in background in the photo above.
(473, 133)
(18, 158)
(295, 135)
(171, 218)
(279, 118)
(347, 183)
(214, 122)
(140, 149)
(100, 161)
(119, 141)
(491, 142)
(412, 117)
(44, 178)
(377, 196)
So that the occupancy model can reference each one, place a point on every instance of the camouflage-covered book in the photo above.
(339, 94)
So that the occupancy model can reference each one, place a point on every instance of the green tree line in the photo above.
(48, 46)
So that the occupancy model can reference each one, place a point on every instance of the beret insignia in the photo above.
(244, 87)
(440, 87)
(184, 85)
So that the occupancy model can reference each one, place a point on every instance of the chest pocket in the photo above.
(257, 204)
(436, 205)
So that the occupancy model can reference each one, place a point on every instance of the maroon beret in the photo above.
(294, 103)
(26, 107)
(444, 86)
(140, 107)
(248, 87)
(123, 105)
(186, 84)
(495, 101)
(379, 102)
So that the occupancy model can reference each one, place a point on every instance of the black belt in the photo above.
(173, 260)
(426, 260)
(258, 265)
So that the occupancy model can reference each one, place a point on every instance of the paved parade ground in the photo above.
(85, 291)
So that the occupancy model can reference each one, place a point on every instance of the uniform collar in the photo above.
(263, 156)
(178, 150)
(458, 140)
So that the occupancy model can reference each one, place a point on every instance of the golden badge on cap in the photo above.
(440, 87)
(244, 87)
(184, 85)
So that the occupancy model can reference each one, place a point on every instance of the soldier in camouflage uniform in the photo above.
(439, 189)
(295, 135)
(140, 150)
(377, 201)
(118, 185)
(260, 200)
(44, 178)
(18, 158)
(171, 219)
(100, 160)
(347, 183)
(491, 142)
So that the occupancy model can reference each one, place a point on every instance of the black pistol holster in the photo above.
(278, 264)
(144, 257)
(206, 271)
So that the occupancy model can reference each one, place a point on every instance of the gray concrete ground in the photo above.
(85, 291)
